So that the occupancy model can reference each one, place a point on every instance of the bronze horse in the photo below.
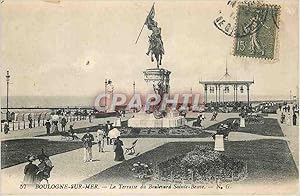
(156, 49)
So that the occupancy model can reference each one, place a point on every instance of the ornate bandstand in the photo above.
(223, 85)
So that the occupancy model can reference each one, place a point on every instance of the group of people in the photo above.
(286, 107)
(289, 119)
(288, 114)
(35, 174)
(214, 116)
(52, 126)
(199, 120)
(102, 135)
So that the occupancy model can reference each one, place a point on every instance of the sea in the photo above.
(47, 101)
(22, 103)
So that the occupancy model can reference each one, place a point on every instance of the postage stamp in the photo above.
(256, 31)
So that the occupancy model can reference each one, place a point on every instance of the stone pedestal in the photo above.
(147, 120)
(242, 122)
(219, 143)
(159, 78)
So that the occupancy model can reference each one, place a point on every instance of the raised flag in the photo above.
(150, 18)
(149, 21)
(151, 13)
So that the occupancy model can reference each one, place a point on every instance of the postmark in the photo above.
(256, 31)
(226, 18)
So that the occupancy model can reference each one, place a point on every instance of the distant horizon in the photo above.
(88, 101)
(280, 96)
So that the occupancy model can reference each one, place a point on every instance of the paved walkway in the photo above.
(292, 136)
(70, 168)
(33, 132)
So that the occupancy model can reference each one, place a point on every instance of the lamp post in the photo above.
(105, 86)
(133, 88)
(106, 83)
(7, 84)
(133, 85)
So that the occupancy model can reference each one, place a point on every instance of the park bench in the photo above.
(131, 150)
(65, 136)
(68, 136)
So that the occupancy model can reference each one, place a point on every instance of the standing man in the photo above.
(90, 117)
(107, 129)
(100, 140)
(30, 120)
(63, 123)
(280, 107)
(87, 146)
(294, 119)
(48, 126)
(72, 133)
(282, 118)
(6, 127)
(39, 119)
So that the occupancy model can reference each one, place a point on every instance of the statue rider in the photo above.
(155, 37)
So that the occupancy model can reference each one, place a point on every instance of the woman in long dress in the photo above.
(30, 171)
(294, 119)
(119, 153)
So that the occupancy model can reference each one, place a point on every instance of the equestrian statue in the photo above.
(156, 46)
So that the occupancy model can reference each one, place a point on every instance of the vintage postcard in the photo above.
(166, 97)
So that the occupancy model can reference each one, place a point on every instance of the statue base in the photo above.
(148, 120)
(159, 78)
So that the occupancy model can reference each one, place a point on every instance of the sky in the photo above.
(46, 47)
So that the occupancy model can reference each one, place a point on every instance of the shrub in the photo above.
(135, 131)
(142, 170)
(205, 165)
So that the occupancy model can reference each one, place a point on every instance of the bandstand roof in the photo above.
(226, 80)
(217, 82)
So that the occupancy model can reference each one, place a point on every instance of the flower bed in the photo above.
(254, 119)
(184, 131)
(142, 170)
(202, 165)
